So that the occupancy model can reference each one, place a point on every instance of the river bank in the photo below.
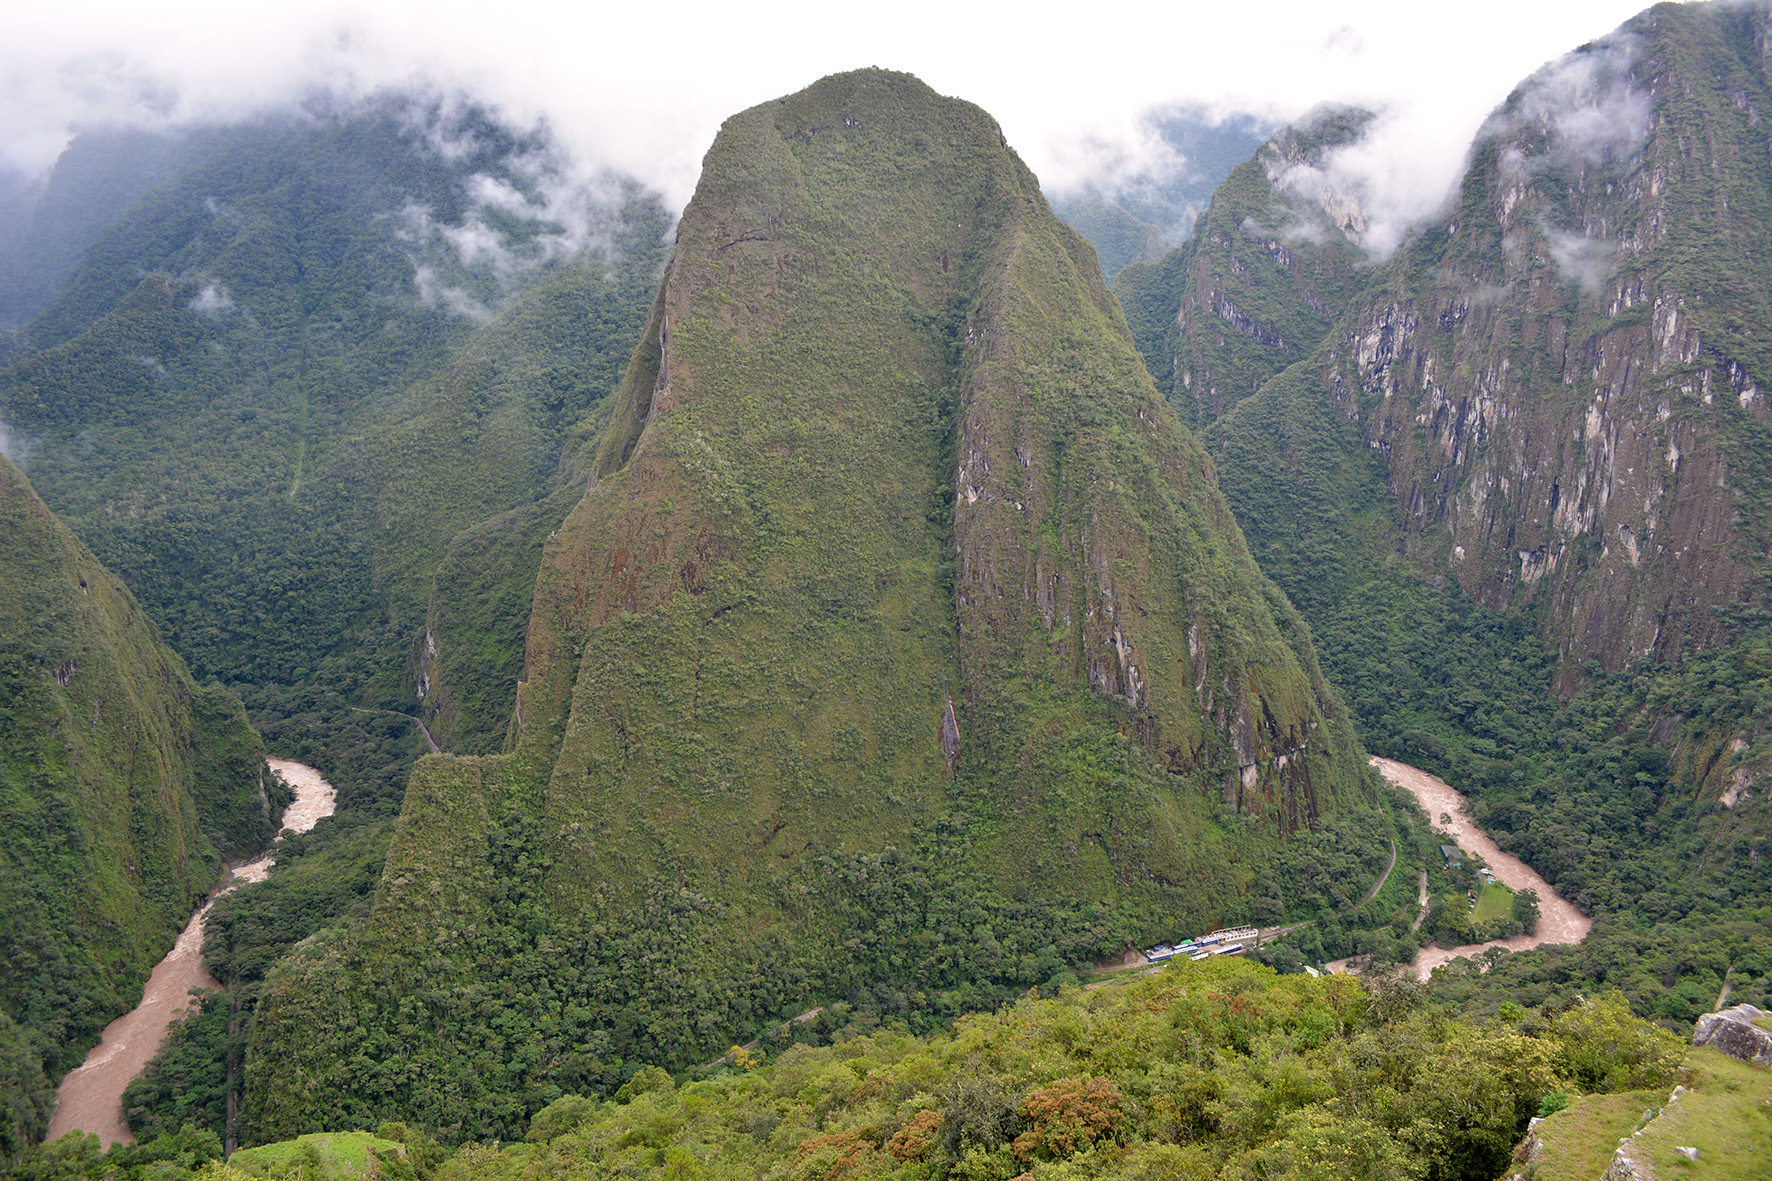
(1559, 921)
(90, 1097)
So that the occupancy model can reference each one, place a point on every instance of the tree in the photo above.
(1067, 1116)
(1606, 1049)
(1526, 910)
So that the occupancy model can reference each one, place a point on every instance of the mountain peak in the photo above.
(891, 543)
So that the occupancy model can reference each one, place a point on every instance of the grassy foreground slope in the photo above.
(1220, 1071)
(123, 784)
(901, 646)
(1723, 1109)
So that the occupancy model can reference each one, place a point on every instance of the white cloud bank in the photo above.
(15, 446)
(641, 89)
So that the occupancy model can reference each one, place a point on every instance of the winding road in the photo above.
(90, 1097)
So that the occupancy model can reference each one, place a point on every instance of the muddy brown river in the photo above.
(1559, 921)
(91, 1096)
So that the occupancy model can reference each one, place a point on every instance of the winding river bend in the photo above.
(90, 1098)
(1559, 921)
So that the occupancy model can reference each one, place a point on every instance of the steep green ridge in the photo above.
(360, 333)
(1266, 272)
(900, 646)
(123, 784)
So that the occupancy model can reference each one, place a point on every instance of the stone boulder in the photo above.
(1734, 1032)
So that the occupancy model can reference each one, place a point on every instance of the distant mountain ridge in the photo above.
(276, 387)
(1142, 207)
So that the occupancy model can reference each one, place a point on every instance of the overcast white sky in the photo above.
(642, 86)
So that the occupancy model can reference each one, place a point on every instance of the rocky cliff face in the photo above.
(1564, 373)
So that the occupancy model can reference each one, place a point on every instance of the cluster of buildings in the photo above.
(1230, 941)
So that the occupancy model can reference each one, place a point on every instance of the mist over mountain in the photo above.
(881, 589)
(1511, 474)
(282, 379)
(1133, 206)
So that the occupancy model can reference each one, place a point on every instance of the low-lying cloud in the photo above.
(213, 301)
(15, 446)
(1582, 109)
(1161, 166)
(1584, 260)
(641, 96)
(1584, 104)
(536, 208)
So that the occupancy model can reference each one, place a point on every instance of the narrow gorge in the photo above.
(90, 1098)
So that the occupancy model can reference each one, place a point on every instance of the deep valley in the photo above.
(736, 689)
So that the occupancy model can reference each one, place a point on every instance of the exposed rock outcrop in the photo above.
(1628, 1164)
(1736, 1032)
(1567, 395)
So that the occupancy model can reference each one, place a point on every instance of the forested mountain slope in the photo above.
(901, 646)
(1523, 466)
(123, 784)
(276, 389)
(47, 226)
(314, 386)
(1266, 272)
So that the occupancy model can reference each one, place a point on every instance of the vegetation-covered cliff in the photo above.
(901, 644)
(123, 785)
